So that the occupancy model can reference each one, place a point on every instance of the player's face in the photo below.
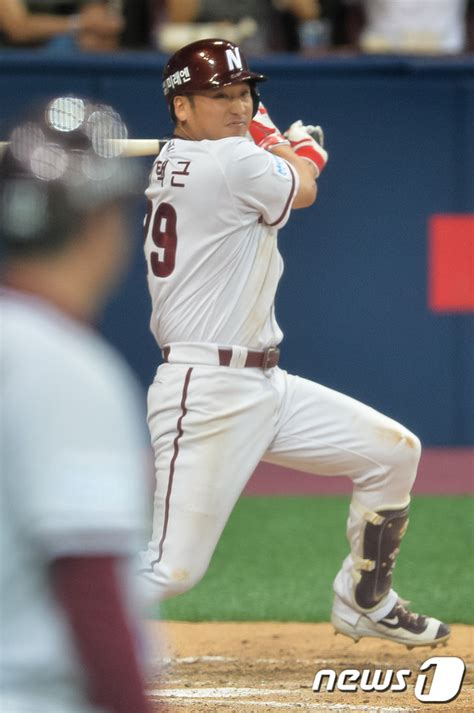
(216, 113)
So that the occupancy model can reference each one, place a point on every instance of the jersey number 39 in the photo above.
(163, 234)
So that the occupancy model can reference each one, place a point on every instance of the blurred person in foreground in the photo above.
(61, 26)
(73, 482)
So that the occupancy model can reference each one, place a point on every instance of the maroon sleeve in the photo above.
(88, 589)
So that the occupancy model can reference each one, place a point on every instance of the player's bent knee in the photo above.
(403, 448)
(179, 580)
(405, 458)
(411, 451)
(398, 460)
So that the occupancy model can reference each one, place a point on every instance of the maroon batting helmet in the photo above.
(207, 64)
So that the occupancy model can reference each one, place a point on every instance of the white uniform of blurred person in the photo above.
(73, 476)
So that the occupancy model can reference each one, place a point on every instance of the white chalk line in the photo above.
(188, 696)
(306, 706)
(177, 660)
(214, 692)
(234, 659)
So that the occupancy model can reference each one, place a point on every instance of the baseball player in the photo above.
(219, 191)
(73, 497)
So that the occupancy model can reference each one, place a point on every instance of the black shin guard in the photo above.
(380, 547)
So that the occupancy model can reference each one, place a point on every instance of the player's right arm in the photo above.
(298, 147)
(307, 189)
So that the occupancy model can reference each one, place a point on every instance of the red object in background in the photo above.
(451, 263)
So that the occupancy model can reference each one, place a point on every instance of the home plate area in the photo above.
(254, 666)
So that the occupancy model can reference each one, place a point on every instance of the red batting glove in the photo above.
(307, 142)
(264, 132)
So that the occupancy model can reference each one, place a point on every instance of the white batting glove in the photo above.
(307, 141)
(264, 132)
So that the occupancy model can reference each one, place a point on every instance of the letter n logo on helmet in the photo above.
(233, 58)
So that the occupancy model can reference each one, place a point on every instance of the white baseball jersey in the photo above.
(211, 246)
(72, 483)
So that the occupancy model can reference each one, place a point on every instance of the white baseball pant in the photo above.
(210, 427)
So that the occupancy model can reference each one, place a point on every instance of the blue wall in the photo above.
(353, 300)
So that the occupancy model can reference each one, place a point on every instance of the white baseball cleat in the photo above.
(399, 625)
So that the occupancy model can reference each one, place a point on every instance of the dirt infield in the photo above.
(246, 667)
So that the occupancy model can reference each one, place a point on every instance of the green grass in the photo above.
(278, 556)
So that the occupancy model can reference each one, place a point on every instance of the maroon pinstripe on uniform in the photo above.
(289, 201)
(172, 465)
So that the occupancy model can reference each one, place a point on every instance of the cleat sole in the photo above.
(346, 629)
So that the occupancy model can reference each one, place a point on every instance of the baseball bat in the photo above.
(137, 147)
(128, 147)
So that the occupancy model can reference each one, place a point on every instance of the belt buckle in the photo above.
(270, 358)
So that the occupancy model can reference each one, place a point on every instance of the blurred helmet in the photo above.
(58, 168)
(207, 64)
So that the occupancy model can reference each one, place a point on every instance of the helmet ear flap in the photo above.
(171, 108)
(255, 97)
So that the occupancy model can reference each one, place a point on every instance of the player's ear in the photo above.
(182, 106)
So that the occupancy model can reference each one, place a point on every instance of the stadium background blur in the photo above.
(367, 304)
(377, 297)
